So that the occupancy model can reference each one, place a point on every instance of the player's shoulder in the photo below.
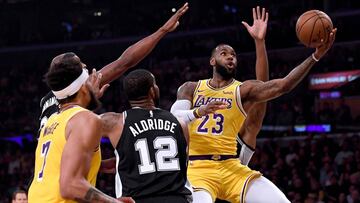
(186, 90)
(109, 121)
(189, 84)
(165, 113)
(86, 117)
(110, 116)
(251, 83)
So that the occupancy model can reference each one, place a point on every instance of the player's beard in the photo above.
(94, 103)
(224, 72)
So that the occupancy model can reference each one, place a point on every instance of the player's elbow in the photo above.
(67, 188)
(65, 191)
(285, 86)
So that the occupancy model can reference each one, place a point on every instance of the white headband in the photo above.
(73, 87)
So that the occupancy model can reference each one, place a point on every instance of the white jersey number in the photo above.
(165, 155)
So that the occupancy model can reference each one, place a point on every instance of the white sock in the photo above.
(262, 190)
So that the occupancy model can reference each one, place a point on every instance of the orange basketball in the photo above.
(313, 26)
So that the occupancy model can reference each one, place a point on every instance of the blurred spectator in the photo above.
(19, 196)
(353, 197)
(326, 114)
(343, 113)
(343, 154)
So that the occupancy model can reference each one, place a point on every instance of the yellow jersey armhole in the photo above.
(196, 89)
(238, 100)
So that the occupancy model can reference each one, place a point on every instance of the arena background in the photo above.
(309, 145)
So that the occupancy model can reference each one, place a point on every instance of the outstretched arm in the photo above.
(138, 51)
(84, 133)
(253, 91)
(256, 114)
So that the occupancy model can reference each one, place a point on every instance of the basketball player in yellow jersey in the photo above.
(214, 168)
(68, 157)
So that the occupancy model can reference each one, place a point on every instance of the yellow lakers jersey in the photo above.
(215, 134)
(45, 186)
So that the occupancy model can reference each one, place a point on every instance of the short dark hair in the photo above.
(138, 83)
(17, 192)
(64, 69)
(214, 49)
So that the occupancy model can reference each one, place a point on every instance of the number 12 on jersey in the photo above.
(164, 156)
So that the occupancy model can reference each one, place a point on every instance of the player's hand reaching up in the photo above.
(173, 22)
(94, 81)
(211, 107)
(258, 29)
(322, 49)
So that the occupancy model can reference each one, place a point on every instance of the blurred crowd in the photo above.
(78, 20)
(312, 169)
(22, 86)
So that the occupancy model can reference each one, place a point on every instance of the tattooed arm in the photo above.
(257, 91)
(83, 133)
(112, 126)
(95, 195)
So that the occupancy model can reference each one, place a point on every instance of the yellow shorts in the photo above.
(226, 180)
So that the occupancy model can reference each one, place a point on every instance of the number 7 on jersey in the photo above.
(44, 152)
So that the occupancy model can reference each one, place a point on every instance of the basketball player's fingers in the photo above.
(333, 34)
(254, 14)
(263, 14)
(215, 103)
(266, 17)
(258, 12)
(126, 199)
(331, 38)
(98, 79)
(247, 26)
(183, 9)
(104, 88)
(92, 77)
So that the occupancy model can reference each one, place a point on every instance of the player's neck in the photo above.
(144, 104)
(217, 81)
(69, 105)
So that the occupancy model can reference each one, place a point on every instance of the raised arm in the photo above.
(253, 91)
(138, 51)
(84, 133)
(256, 114)
(258, 32)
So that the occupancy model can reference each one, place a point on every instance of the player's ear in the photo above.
(212, 61)
(83, 89)
(152, 92)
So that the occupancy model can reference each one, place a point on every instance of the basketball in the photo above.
(313, 26)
